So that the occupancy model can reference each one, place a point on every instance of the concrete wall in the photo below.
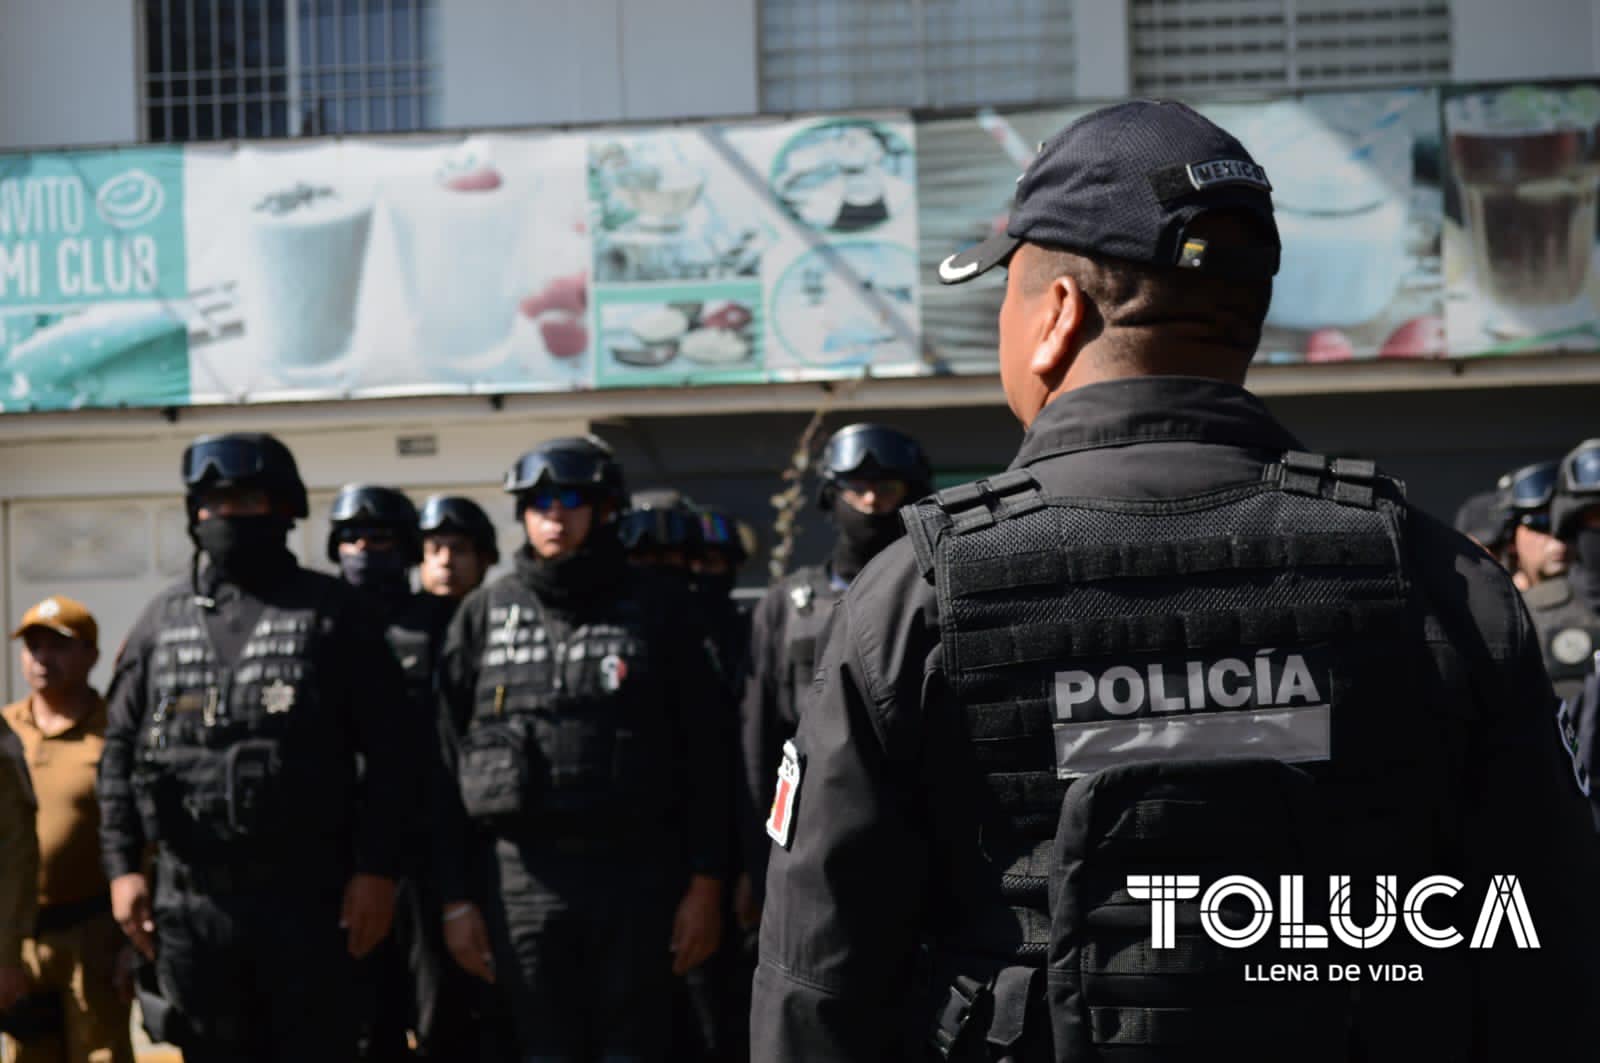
(509, 62)
(68, 72)
(1494, 40)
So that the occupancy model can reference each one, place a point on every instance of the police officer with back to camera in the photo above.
(593, 759)
(1566, 608)
(240, 705)
(419, 994)
(1167, 648)
(1532, 550)
(458, 546)
(867, 472)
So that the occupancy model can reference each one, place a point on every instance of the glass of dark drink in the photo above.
(1527, 164)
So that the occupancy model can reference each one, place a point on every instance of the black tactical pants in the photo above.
(418, 989)
(254, 964)
(581, 938)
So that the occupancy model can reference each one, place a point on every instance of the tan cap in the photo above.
(64, 616)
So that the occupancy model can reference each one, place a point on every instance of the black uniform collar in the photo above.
(1152, 409)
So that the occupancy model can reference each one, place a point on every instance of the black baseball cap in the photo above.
(1125, 182)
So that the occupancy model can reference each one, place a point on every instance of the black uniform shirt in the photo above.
(885, 843)
(365, 690)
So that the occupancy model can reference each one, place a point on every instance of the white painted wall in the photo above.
(68, 72)
(1494, 40)
(511, 62)
(1103, 56)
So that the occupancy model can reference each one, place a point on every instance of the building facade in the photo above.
(90, 506)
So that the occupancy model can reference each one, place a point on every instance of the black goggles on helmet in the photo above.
(566, 468)
(658, 527)
(892, 455)
(1532, 487)
(718, 529)
(1583, 470)
(224, 460)
(439, 513)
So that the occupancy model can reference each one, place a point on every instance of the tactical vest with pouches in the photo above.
(569, 736)
(1233, 683)
(1569, 633)
(248, 757)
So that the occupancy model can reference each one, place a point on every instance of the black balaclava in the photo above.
(862, 536)
(592, 570)
(1584, 575)
(380, 571)
(715, 588)
(248, 551)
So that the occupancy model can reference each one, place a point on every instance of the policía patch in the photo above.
(780, 820)
(1273, 702)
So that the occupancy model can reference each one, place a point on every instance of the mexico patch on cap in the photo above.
(1204, 175)
(780, 820)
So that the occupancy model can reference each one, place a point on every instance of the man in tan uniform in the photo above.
(77, 951)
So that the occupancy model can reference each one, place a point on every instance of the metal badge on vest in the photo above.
(240, 753)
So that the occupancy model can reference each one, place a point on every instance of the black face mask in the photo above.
(383, 571)
(862, 537)
(245, 550)
(715, 588)
(1585, 575)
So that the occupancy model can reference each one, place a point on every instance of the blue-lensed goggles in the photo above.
(545, 497)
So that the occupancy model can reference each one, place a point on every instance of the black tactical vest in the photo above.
(1232, 683)
(249, 756)
(414, 634)
(569, 736)
(1569, 633)
(808, 599)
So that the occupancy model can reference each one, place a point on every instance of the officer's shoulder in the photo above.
(890, 594)
(1550, 594)
(1460, 576)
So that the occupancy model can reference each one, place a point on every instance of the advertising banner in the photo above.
(1416, 223)
(324, 269)
(752, 253)
(1355, 189)
(92, 256)
(1523, 172)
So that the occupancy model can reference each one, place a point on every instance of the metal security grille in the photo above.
(220, 69)
(845, 54)
(1187, 46)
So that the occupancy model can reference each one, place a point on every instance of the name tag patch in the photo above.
(1228, 172)
(780, 819)
(1267, 703)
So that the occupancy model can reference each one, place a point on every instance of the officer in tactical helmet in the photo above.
(241, 704)
(1168, 649)
(867, 472)
(1566, 607)
(659, 528)
(592, 758)
(1532, 550)
(421, 997)
(458, 546)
